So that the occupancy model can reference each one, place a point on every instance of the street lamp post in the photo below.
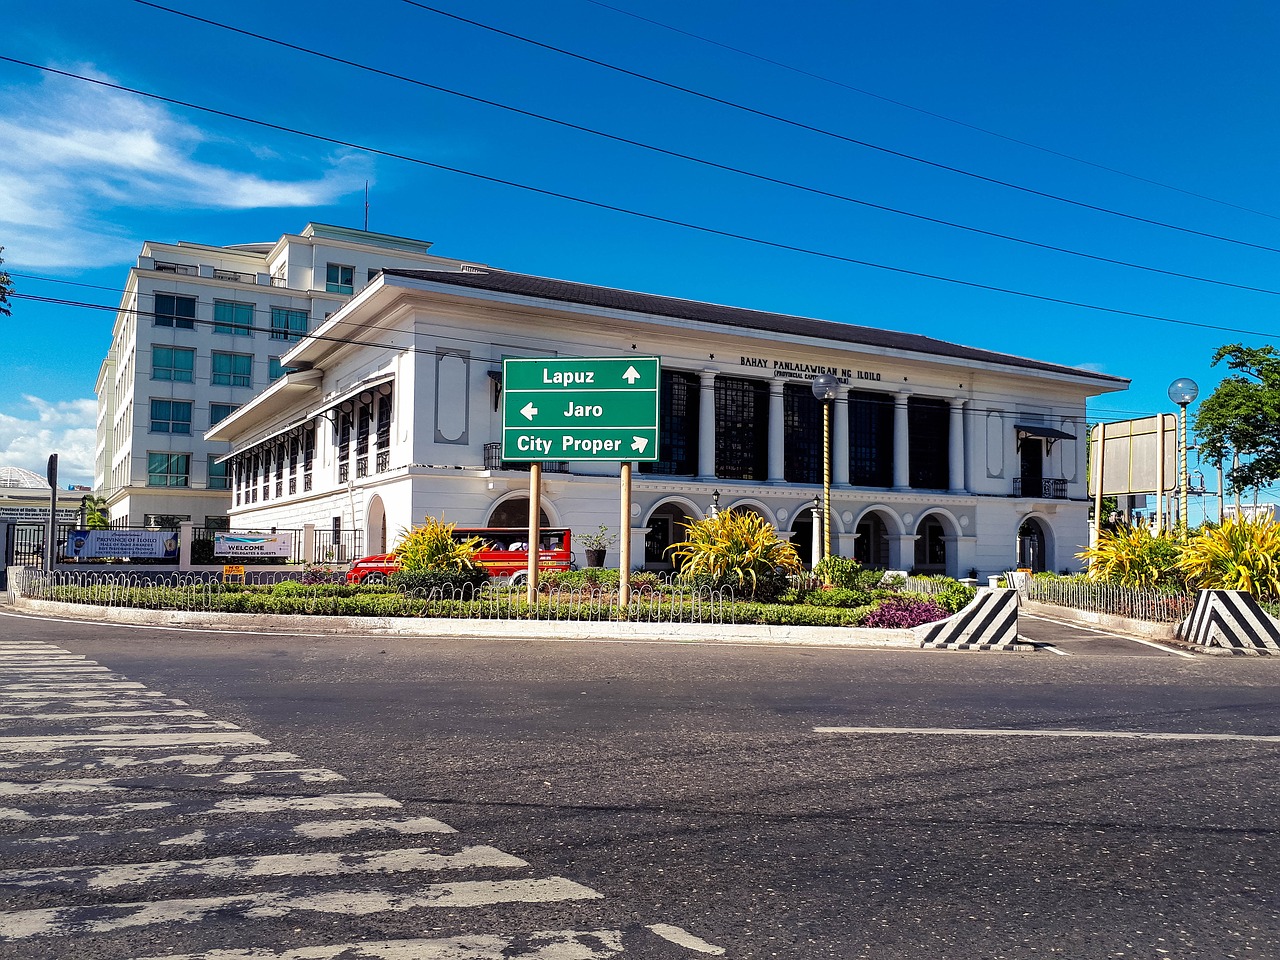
(1183, 392)
(824, 389)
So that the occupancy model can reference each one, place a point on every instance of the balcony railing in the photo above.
(1042, 489)
(493, 461)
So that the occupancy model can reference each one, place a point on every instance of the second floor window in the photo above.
(171, 416)
(339, 279)
(233, 318)
(232, 370)
(220, 411)
(288, 324)
(168, 469)
(218, 476)
(172, 363)
(276, 370)
(174, 311)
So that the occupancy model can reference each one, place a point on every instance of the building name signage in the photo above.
(97, 544)
(251, 545)
(788, 370)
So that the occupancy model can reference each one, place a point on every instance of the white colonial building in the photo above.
(944, 457)
(199, 332)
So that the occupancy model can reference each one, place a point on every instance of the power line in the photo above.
(777, 181)
(929, 113)
(655, 218)
(822, 131)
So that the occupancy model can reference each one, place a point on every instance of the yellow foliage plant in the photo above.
(735, 548)
(1133, 556)
(432, 546)
(1241, 554)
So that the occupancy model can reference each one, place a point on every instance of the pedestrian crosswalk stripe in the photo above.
(79, 702)
(182, 835)
(542, 945)
(115, 741)
(296, 865)
(100, 714)
(684, 938)
(166, 725)
(171, 781)
(102, 696)
(108, 762)
(233, 805)
(6, 688)
(70, 921)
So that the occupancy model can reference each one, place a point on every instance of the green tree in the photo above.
(95, 512)
(6, 287)
(1243, 416)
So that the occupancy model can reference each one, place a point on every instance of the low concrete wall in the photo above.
(478, 629)
(1137, 628)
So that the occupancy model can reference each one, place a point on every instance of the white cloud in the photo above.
(77, 155)
(66, 428)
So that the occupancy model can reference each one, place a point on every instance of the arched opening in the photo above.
(666, 526)
(804, 528)
(376, 527)
(515, 513)
(871, 548)
(931, 546)
(1032, 546)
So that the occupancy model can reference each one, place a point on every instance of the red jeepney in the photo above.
(504, 554)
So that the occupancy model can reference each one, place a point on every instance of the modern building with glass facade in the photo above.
(200, 331)
(944, 458)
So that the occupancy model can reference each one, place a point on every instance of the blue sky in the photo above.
(1165, 112)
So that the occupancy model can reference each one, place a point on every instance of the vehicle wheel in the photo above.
(518, 579)
(375, 579)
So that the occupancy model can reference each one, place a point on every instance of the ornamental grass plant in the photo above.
(1243, 553)
(1134, 556)
(738, 549)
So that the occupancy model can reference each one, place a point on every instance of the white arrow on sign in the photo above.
(639, 443)
(631, 376)
(529, 410)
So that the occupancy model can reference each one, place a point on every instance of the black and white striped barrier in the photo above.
(989, 622)
(1231, 620)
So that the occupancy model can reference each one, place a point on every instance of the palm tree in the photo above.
(93, 509)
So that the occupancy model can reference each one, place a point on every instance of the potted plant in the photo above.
(597, 544)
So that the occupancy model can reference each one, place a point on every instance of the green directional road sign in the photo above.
(580, 408)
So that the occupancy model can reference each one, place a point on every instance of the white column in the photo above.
(840, 439)
(901, 445)
(707, 425)
(777, 433)
(955, 445)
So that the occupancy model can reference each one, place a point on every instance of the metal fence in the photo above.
(203, 543)
(1157, 606)
(264, 593)
(340, 547)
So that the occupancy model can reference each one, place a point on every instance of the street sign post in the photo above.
(580, 408)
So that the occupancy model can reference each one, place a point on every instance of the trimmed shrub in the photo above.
(838, 597)
(424, 581)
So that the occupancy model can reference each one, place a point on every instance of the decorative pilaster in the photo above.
(901, 442)
(777, 433)
(840, 439)
(955, 446)
(707, 425)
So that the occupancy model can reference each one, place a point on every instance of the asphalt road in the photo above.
(711, 801)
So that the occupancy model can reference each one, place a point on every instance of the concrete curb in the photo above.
(1165, 632)
(559, 630)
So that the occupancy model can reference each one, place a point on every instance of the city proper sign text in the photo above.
(580, 408)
